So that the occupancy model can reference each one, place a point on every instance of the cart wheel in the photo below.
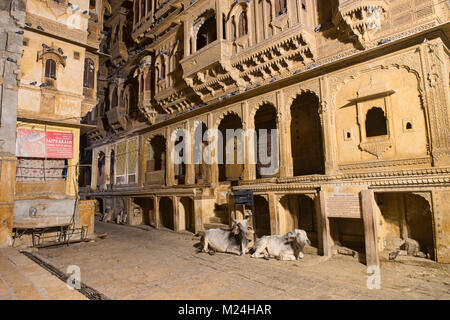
(211, 252)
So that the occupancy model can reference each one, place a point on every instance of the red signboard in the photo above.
(59, 145)
(41, 144)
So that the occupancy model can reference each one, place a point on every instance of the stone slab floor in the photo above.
(133, 263)
(22, 279)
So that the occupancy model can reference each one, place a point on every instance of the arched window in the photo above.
(124, 32)
(243, 24)
(142, 8)
(114, 99)
(376, 124)
(163, 70)
(280, 7)
(50, 69)
(142, 83)
(224, 26)
(304, 4)
(148, 81)
(207, 33)
(233, 29)
(89, 73)
(136, 11)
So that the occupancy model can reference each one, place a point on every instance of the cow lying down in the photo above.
(287, 247)
(232, 240)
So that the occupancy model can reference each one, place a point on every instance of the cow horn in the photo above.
(233, 216)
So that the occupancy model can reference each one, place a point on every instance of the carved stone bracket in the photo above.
(376, 148)
(360, 19)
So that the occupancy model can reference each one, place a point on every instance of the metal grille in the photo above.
(121, 159)
(132, 156)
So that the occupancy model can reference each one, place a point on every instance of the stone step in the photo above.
(216, 220)
(208, 226)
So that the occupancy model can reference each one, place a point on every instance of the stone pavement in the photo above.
(157, 264)
(23, 279)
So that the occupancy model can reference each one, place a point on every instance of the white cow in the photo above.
(232, 240)
(287, 247)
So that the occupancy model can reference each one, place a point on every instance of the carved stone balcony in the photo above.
(94, 34)
(209, 72)
(119, 53)
(288, 51)
(360, 19)
(146, 107)
(98, 133)
(117, 118)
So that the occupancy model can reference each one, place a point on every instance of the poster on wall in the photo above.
(41, 144)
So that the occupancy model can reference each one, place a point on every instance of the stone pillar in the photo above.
(142, 160)
(441, 217)
(324, 228)
(370, 228)
(328, 132)
(7, 187)
(203, 209)
(250, 156)
(214, 168)
(198, 213)
(284, 131)
(156, 212)
(94, 171)
(264, 20)
(274, 215)
(176, 214)
(219, 19)
(257, 24)
(86, 213)
(190, 167)
(169, 159)
(107, 167)
(12, 19)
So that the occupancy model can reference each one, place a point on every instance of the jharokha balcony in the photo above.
(117, 118)
(209, 72)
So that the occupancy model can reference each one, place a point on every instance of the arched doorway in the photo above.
(180, 169)
(101, 161)
(262, 216)
(166, 213)
(232, 171)
(265, 121)
(111, 168)
(298, 212)
(156, 161)
(157, 152)
(207, 32)
(146, 205)
(306, 136)
(186, 214)
(405, 215)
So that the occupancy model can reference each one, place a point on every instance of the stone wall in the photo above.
(12, 19)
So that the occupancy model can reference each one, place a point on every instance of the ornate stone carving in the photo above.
(376, 148)
(360, 19)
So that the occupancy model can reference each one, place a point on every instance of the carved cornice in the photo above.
(437, 177)
(386, 163)
(57, 28)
